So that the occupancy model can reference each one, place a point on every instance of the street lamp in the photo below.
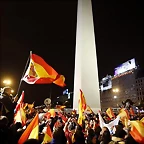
(7, 82)
(115, 97)
(116, 90)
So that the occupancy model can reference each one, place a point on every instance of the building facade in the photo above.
(139, 83)
(123, 87)
(125, 84)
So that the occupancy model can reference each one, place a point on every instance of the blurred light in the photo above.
(116, 90)
(65, 92)
(7, 82)
(113, 90)
(68, 95)
(12, 91)
(58, 97)
(115, 97)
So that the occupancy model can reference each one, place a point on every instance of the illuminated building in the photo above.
(121, 86)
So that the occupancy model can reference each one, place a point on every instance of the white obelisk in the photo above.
(86, 70)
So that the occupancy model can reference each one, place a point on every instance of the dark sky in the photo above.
(49, 30)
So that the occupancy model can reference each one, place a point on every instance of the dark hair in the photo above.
(79, 137)
(106, 137)
(59, 136)
(91, 134)
(120, 132)
(3, 120)
(31, 141)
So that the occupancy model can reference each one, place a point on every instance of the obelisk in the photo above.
(86, 70)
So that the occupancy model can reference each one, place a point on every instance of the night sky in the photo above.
(48, 29)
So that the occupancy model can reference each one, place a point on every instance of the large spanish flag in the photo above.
(39, 72)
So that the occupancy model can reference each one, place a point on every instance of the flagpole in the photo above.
(23, 72)
(50, 90)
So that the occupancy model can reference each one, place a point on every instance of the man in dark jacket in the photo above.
(8, 104)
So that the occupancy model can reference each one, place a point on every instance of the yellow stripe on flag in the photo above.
(139, 126)
(41, 72)
(34, 133)
(47, 139)
(142, 120)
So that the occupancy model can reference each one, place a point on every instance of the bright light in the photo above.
(116, 90)
(115, 97)
(12, 91)
(7, 82)
(113, 90)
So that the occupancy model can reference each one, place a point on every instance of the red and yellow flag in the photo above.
(82, 107)
(39, 72)
(31, 131)
(48, 136)
(88, 109)
(124, 116)
(20, 115)
(52, 113)
(19, 102)
(82, 101)
(137, 131)
(110, 113)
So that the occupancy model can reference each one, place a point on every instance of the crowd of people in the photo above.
(64, 127)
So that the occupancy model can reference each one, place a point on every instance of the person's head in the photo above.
(31, 141)
(120, 132)
(92, 138)
(79, 137)
(7, 90)
(86, 121)
(3, 121)
(97, 130)
(59, 135)
(103, 130)
(106, 137)
(78, 128)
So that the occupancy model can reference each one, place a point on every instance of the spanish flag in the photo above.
(137, 131)
(82, 107)
(19, 102)
(124, 116)
(39, 72)
(20, 115)
(82, 101)
(110, 113)
(31, 131)
(48, 135)
(89, 110)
